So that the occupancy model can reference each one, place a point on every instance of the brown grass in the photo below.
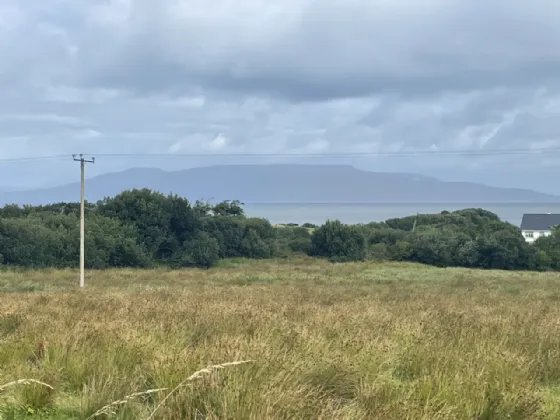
(348, 341)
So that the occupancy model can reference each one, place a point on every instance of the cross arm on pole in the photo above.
(82, 159)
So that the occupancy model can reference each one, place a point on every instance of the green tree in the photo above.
(503, 250)
(163, 222)
(109, 243)
(253, 246)
(548, 250)
(228, 208)
(26, 242)
(228, 231)
(339, 242)
(201, 251)
(433, 248)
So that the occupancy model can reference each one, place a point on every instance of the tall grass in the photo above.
(348, 341)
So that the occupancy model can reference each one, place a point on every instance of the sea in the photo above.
(318, 213)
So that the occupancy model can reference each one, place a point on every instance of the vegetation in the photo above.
(472, 238)
(190, 285)
(340, 341)
(142, 228)
(137, 228)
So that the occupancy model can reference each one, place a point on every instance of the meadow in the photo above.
(322, 341)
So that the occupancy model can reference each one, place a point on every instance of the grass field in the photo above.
(349, 341)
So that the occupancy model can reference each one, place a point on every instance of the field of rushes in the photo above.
(321, 341)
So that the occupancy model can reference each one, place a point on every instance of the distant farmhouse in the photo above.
(533, 226)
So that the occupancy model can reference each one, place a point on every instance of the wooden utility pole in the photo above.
(83, 162)
(415, 222)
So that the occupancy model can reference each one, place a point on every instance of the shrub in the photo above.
(339, 242)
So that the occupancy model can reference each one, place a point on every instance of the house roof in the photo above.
(539, 221)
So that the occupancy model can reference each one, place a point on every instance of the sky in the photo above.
(224, 77)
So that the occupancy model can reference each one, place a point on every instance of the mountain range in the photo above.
(282, 183)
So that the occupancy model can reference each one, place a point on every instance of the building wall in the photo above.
(532, 235)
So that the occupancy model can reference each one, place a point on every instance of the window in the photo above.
(528, 234)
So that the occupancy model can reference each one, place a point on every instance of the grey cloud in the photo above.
(539, 130)
(307, 76)
(42, 118)
(310, 50)
(485, 107)
(303, 50)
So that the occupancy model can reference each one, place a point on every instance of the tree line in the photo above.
(474, 238)
(137, 228)
(144, 228)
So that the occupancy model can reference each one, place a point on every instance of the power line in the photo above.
(411, 153)
(33, 158)
(340, 155)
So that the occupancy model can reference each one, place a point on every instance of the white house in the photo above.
(533, 226)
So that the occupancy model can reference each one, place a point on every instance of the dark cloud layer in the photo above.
(316, 50)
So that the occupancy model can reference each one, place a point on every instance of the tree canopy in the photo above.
(137, 228)
(142, 228)
(473, 238)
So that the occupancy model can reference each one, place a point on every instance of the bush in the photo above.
(339, 242)
(228, 232)
(27, 242)
(253, 246)
(201, 251)
(292, 240)
(136, 228)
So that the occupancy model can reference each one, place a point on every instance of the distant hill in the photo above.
(283, 184)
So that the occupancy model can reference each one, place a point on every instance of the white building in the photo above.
(533, 226)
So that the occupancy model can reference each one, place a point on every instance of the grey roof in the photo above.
(539, 221)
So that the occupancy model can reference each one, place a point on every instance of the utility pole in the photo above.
(415, 222)
(83, 162)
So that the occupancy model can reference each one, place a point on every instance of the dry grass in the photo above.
(349, 341)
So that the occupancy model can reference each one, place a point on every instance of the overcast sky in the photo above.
(281, 76)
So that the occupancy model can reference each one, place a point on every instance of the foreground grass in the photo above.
(348, 341)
